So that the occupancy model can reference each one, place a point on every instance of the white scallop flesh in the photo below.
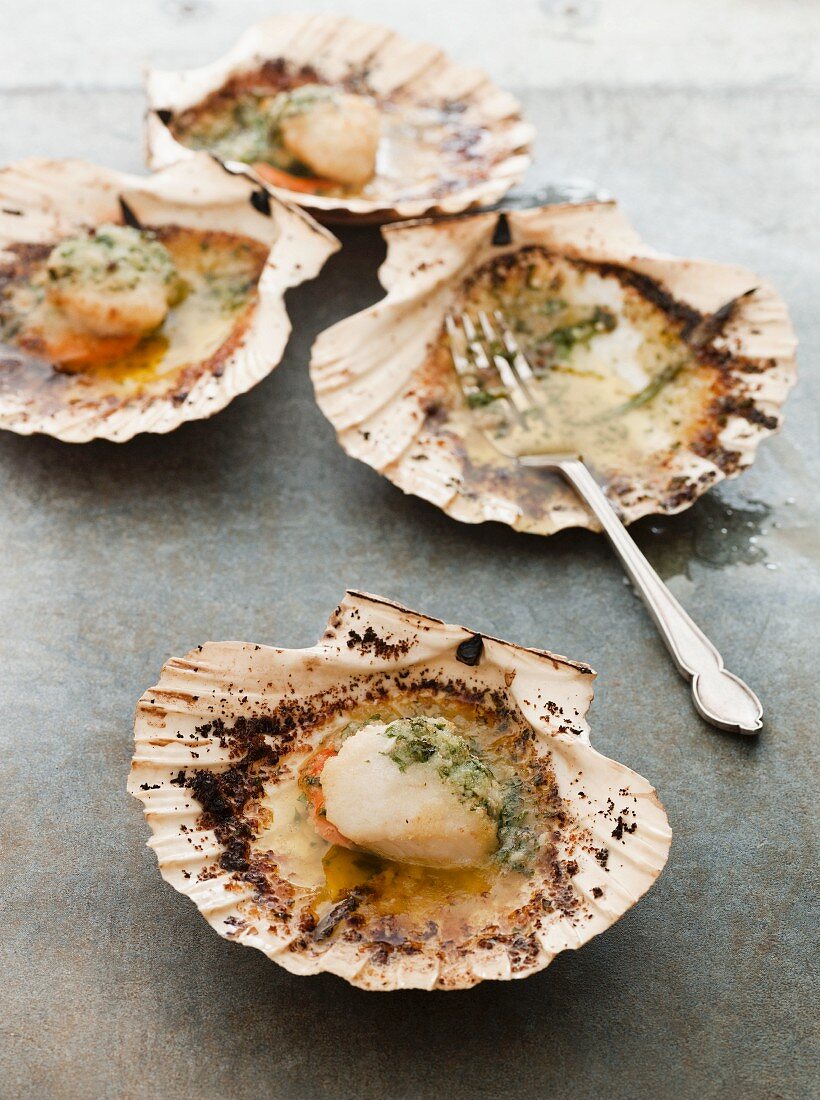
(336, 137)
(411, 816)
(117, 282)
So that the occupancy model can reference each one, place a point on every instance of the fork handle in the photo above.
(720, 697)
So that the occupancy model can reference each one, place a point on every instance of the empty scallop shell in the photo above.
(229, 725)
(44, 201)
(482, 150)
(385, 378)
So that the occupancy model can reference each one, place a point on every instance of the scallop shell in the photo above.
(339, 49)
(369, 382)
(610, 847)
(42, 201)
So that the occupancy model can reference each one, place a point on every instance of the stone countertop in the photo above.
(251, 525)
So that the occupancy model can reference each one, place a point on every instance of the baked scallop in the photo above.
(345, 118)
(132, 305)
(407, 804)
(664, 373)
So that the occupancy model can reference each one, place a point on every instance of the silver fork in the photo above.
(720, 697)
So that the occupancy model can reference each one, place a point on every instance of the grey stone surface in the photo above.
(250, 526)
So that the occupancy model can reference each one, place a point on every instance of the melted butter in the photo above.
(400, 887)
(409, 894)
(221, 272)
(417, 898)
(620, 397)
(404, 889)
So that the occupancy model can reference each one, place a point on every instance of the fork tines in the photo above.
(477, 348)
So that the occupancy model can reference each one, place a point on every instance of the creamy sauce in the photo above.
(220, 271)
(613, 382)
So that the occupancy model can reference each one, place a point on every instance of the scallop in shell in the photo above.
(665, 373)
(399, 129)
(467, 831)
(131, 305)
